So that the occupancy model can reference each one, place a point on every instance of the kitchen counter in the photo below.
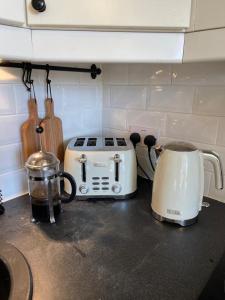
(116, 250)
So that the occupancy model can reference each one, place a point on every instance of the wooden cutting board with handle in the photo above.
(52, 136)
(30, 139)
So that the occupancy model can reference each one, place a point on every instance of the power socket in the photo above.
(143, 131)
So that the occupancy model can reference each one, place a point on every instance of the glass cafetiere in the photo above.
(45, 183)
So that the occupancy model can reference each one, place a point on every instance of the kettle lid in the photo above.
(180, 147)
(40, 160)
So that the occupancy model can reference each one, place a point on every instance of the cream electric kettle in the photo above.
(179, 182)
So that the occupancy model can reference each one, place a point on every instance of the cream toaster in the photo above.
(103, 167)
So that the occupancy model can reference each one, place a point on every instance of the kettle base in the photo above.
(182, 223)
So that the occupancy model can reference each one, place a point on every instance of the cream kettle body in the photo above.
(178, 184)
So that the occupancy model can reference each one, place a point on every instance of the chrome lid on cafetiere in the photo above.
(42, 161)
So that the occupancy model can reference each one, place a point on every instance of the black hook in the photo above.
(28, 79)
(26, 74)
(48, 81)
(47, 77)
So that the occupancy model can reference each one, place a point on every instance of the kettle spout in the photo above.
(214, 158)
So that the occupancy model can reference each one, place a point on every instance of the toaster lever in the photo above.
(117, 161)
(83, 160)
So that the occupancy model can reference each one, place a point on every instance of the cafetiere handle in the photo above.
(65, 199)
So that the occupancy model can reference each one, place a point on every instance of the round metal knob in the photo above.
(83, 189)
(116, 188)
(38, 5)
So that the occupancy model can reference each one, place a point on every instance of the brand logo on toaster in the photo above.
(100, 164)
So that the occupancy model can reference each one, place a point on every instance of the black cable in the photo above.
(135, 139)
(140, 167)
(2, 209)
(150, 159)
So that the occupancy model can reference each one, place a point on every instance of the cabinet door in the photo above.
(196, 44)
(209, 14)
(106, 14)
(100, 47)
(12, 12)
(17, 43)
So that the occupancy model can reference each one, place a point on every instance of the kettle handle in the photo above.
(66, 199)
(214, 158)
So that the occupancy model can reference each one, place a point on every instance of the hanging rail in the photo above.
(93, 70)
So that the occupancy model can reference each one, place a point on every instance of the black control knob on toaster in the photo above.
(38, 5)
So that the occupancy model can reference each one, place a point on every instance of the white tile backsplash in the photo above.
(13, 184)
(130, 97)
(10, 157)
(221, 133)
(92, 118)
(114, 118)
(10, 129)
(214, 193)
(149, 74)
(115, 74)
(191, 127)
(81, 96)
(210, 100)
(184, 102)
(7, 100)
(148, 119)
(21, 97)
(199, 74)
(171, 98)
(173, 102)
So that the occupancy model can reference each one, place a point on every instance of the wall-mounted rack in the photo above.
(93, 70)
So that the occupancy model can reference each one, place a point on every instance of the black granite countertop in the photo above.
(116, 250)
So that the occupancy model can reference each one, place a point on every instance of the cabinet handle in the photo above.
(38, 5)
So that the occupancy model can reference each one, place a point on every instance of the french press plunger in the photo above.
(45, 183)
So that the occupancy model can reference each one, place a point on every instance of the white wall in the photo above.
(174, 102)
(183, 102)
(78, 101)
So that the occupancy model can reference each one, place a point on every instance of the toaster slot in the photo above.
(79, 142)
(109, 142)
(83, 160)
(91, 142)
(121, 142)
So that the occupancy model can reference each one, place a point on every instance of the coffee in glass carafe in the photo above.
(45, 183)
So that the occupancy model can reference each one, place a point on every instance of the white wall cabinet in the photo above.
(209, 14)
(12, 12)
(107, 47)
(16, 43)
(112, 14)
(206, 40)
(208, 45)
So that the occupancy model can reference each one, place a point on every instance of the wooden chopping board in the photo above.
(52, 136)
(30, 139)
